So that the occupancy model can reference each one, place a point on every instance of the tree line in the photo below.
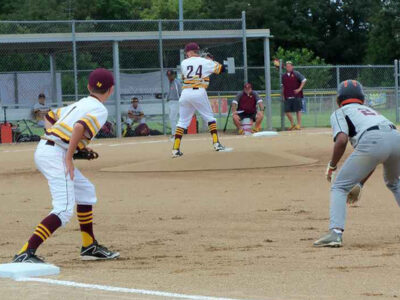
(336, 31)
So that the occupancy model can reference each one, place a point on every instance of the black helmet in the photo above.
(350, 89)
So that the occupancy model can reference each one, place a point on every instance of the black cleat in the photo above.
(27, 256)
(176, 153)
(97, 252)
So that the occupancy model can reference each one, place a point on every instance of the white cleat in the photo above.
(219, 147)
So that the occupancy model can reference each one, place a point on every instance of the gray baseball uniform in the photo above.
(375, 141)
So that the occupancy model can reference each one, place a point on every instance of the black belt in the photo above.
(195, 88)
(50, 143)
(377, 127)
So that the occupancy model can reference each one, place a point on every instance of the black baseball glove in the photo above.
(86, 154)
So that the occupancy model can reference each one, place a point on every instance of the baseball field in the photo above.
(237, 225)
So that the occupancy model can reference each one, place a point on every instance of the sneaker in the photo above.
(27, 256)
(176, 153)
(293, 127)
(332, 239)
(241, 131)
(255, 129)
(97, 252)
(297, 127)
(219, 147)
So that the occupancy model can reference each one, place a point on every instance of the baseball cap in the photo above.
(247, 86)
(192, 47)
(41, 95)
(135, 99)
(101, 78)
(289, 62)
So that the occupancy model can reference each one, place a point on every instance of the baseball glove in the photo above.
(354, 195)
(208, 55)
(86, 154)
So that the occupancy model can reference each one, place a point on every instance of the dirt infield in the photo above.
(237, 225)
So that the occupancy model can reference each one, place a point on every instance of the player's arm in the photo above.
(77, 134)
(260, 102)
(235, 103)
(341, 138)
(339, 148)
(300, 77)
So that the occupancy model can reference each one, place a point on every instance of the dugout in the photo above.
(55, 57)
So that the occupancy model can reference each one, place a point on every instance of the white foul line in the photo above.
(120, 289)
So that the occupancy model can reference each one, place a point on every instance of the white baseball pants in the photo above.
(50, 160)
(193, 100)
(173, 114)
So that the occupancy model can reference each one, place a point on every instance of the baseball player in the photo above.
(70, 129)
(375, 141)
(195, 72)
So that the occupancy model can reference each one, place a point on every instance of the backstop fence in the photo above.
(55, 58)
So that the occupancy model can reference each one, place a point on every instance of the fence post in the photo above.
(74, 61)
(53, 80)
(337, 77)
(267, 72)
(396, 90)
(16, 88)
(244, 41)
(282, 96)
(117, 89)
(160, 48)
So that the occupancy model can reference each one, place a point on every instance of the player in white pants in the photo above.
(174, 92)
(195, 72)
(69, 129)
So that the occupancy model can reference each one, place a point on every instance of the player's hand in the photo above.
(296, 91)
(69, 168)
(330, 172)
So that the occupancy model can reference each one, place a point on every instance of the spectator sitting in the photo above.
(245, 106)
(135, 113)
(40, 110)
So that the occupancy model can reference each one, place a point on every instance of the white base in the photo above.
(265, 133)
(226, 150)
(19, 270)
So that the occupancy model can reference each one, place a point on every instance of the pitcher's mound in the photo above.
(212, 161)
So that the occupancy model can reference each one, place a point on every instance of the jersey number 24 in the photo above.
(198, 71)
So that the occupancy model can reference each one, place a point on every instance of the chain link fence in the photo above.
(56, 57)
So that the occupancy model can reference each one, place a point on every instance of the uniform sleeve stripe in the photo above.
(95, 121)
(50, 119)
(90, 124)
(59, 133)
(66, 127)
(85, 124)
(58, 113)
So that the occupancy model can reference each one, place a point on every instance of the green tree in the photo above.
(317, 78)
(384, 38)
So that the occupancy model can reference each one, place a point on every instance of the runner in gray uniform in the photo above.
(375, 141)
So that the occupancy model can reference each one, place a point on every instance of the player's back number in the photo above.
(198, 71)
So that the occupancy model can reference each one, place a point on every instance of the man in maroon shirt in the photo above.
(292, 90)
(245, 106)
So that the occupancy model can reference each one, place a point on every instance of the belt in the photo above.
(377, 127)
(50, 143)
(195, 88)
